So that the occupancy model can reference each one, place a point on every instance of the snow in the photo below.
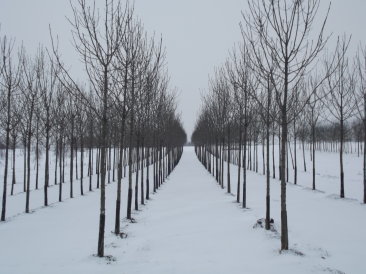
(191, 225)
(327, 171)
(16, 203)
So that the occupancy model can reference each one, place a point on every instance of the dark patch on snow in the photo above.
(292, 251)
(244, 208)
(314, 190)
(334, 271)
(109, 258)
(136, 212)
(272, 232)
(293, 185)
(112, 245)
(327, 176)
(324, 254)
(132, 220)
(121, 235)
(337, 197)
(261, 223)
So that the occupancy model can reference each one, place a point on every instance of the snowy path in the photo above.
(195, 227)
(191, 226)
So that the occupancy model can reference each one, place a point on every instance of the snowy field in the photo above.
(16, 202)
(193, 226)
(327, 171)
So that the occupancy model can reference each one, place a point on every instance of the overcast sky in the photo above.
(197, 35)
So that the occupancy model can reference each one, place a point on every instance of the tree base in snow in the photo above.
(132, 221)
(261, 223)
(122, 235)
(292, 252)
(109, 258)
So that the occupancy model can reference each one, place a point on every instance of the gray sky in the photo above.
(197, 35)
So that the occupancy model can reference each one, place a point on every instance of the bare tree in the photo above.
(11, 75)
(97, 38)
(339, 98)
(313, 111)
(278, 31)
(30, 93)
(15, 132)
(47, 82)
(361, 104)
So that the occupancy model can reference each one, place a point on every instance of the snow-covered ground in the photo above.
(327, 171)
(16, 203)
(193, 226)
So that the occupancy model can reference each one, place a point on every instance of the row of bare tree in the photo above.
(276, 86)
(126, 118)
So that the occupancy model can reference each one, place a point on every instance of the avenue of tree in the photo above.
(281, 86)
(119, 121)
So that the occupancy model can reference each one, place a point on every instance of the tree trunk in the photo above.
(129, 198)
(28, 160)
(244, 163)
(284, 228)
(364, 150)
(303, 153)
(273, 152)
(295, 154)
(37, 153)
(268, 180)
(142, 173)
(119, 177)
(90, 166)
(239, 161)
(313, 152)
(147, 173)
(217, 160)
(14, 179)
(56, 159)
(72, 159)
(103, 166)
(3, 209)
(137, 174)
(47, 164)
(25, 164)
(341, 157)
(228, 161)
(81, 164)
(60, 167)
(97, 166)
